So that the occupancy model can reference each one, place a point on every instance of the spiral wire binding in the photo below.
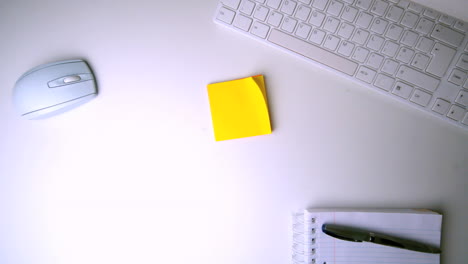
(304, 238)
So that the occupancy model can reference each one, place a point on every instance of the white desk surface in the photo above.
(135, 175)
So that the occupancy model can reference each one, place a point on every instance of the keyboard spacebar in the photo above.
(313, 52)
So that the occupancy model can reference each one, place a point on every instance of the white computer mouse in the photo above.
(54, 88)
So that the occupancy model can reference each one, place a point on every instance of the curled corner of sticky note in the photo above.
(239, 108)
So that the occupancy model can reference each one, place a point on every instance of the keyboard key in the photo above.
(405, 55)
(261, 13)
(288, 7)
(365, 74)
(360, 54)
(402, 90)
(390, 66)
(462, 98)
(460, 25)
(260, 30)
(446, 19)
(418, 78)
(420, 61)
(320, 4)
(360, 36)
(225, 15)
(431, 13)
(364, 20)
(334, 8)
(331, 42)
(303, 12)
(394, 13)
(317, 36)
(447, 35)
(409, 19)
(349, 13)
(363, 4)
(234, 4)
(384, 82)
(379, 7)
(275, 19)
(394, 32)
(421, 98)
(390, 48)
(379, 26)
(442, 57)
(307, 2)
(242, 22)
(463, 62)
(313, 52)
(303, 30)
(331, 24)
(441, 106)
(424, 26)
(465, 120)
(289, 24)
(409, 38)
(247, 7)
(375, 42)
(316, 18)
(425, 45)
(346, 48)
(346, 30)
(457, 77)
(403, 3)
(375, 60)
(274, 3)
(456, 113)
(417, 8)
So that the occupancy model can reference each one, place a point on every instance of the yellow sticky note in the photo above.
(239, 108)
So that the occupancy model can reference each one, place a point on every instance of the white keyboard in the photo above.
(410, 52)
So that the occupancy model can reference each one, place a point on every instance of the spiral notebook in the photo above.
(312, 246)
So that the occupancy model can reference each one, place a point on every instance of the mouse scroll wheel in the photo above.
(70, 79)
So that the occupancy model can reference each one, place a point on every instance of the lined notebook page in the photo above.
(411, 224)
